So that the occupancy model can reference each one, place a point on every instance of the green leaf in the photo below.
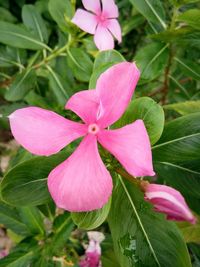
(26, 184)
(180, 140)
(80, 63)
(143, 237)
(93, 219)
(10, 56)
(17, 259)
(58, 86)
(103, 61)
(149, 111)
(6, 15)
(63, 227)
(31, 216)
(179, 3)
(189, 67)
(185, 178)
(23, 83)
(33, 21)
(10, 218)
(17, 36)
(191, 17)
(152, 10)
(184, 108)
(190, 232)
(153, 63)
(59, 10)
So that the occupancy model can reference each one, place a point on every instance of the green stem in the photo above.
(174, 16)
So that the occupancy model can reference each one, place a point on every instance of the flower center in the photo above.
(101, 18)
(93, 128)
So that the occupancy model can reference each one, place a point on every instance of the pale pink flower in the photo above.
(93, 251)
(169, 201)
(82, 182)
(100, 21)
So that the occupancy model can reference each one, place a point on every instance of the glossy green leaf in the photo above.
(11, 219)
(26, 184)
(149, 111)
(103, 61)
(33, 21)
(17, 36)
(80, 64)
(31, 216)
(58, 86)
(180, 140)
(23, 83)
(141, 236)
(60, 9)
(152, 10)
(153, 63)
(184, 178)
(184, 108)
(93, 219)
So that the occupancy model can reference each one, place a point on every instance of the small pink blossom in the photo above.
(93, 251)
(169, 201)
(3, 253)
(100, 21)
(82, 182)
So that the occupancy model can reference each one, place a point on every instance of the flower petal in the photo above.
(43, 132)
(110, 9)
(103, 38)
(115, 29)
(85, 104)
(92, 5)
(85, 20)
(169, 201)
(82, 182)
(131, 146)
(115, 88)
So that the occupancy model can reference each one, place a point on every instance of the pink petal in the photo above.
(82, 182)
(110, 9)
(103, 38)
(169, 201)
(92, 5)
(131, 146)
(115, 88)
(85, 20)
(43, 132)
(115, 29)
(85, 104)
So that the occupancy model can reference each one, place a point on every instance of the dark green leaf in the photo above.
(60, 10)
(143, 237)
(16, 36)
(58, 86)
(93, 219)
(33, 20)
(149, 111)
(10, 218)
(80, 63)
(152, 10)
(22, 84)
(6, 15)
(26, 184)
(189, 67)
(180, 140)
(153, 63)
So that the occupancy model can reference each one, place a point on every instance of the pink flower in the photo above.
(93, 252)
(82, 182)
(101, 22)
(169, 201)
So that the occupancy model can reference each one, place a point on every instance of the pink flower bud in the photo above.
(169, 201)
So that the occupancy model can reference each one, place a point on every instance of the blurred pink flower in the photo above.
(82, 182)
(169, 201)
(100, 21)
(93, 251)
(3, 253)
